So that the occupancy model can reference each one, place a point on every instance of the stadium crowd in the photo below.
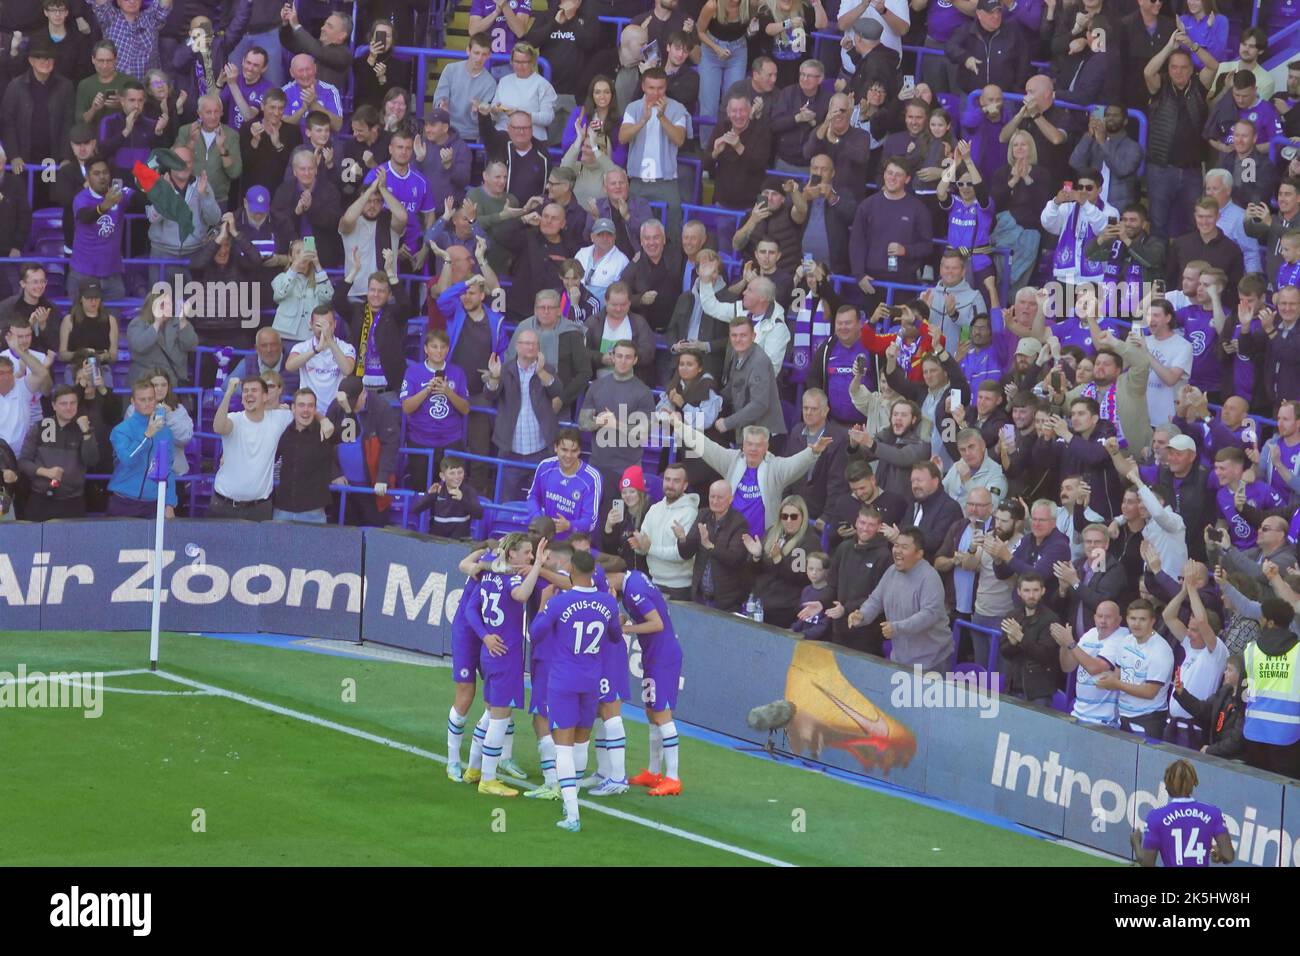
(1007, 338)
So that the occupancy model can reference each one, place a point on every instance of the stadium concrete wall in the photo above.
(853, 713)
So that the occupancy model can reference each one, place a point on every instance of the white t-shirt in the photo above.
(1092, 705)
(21, 371)
(362, 237)
(599, 276)
(1173, 352)
(889, 38)
(322, 373)
(1201, 673)
(15, 415)
(248, 455)
(1139, 663)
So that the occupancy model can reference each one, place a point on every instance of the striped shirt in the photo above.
(528, 430)
(652, 155)
(136, 41)
(1092, 705)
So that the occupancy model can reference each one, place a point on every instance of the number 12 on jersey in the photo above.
(593, 629)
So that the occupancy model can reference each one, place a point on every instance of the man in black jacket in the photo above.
(856, 568)
(306, 454)
(377, 328)
(720, 578)
(932, 511)
(56, 455)
(652, 277)
(36, 113)
(986, 50)
(309, 205)
(826, 482)
(797, 111)
(537, 241)
(1029, 655)
(376, 427)
(1083, 584)
(331, 52)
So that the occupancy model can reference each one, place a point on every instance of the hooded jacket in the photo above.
(668, 569)
(894, 456)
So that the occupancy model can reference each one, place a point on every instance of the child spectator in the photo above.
(453, 501)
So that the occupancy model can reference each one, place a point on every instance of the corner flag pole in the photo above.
(159, 467)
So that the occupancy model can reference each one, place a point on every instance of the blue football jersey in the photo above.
(579, 621)
(498, 612)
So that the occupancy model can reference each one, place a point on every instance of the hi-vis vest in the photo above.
(1273, 696)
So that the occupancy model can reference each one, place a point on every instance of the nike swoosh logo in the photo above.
(877, 727)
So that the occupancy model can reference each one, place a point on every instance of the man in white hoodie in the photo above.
(1075, 216)
(659, 534)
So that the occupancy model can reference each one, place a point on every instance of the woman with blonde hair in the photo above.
(724, 29)
(298, 290)
(782, 558)
(1019, 190)
(785, 29)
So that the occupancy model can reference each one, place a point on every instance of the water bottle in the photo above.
(758, 610)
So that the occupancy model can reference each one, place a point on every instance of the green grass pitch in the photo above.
(274, 789)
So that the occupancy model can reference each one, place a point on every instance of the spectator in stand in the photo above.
(100, 92)
(267, 144)
(376, 69)
(305, 455)
(910, 595)
(330, 55)
(615, 323)
(602, 262)
(738, 155)
(848, 147)
(1075, 217)
(1274, 344)
(463, 83)
(757, 477)
(435, 399)
(781, 559)
(1178, 112)
(1142, 673)
(454, 502)
(503, 22)
(215, 147)
(984, 50)
(563, 347)
(1027, 653)
(88, 325)
(825, 483)
(100, 214)
(161, 336)
(994, 597)
(165, 237)
(974, 467)
(1040, 550)
(526, 423)
(243, 87)
(839, 520)
(539, 243)
(1093, 656)
(896, 448)
(1107, 147)
(932, 511)
(856, 569)
(127, 136)
(269, 356)
(1120, 372)
(892, 231)
(55, 458)
(304, 94)
(1232, 218)
(443, 158)
(378, 327)
(716, 543)
(177, 417)
(324, 361)
(31, 306)
(798, 109)
(298, 291)
(133, 31)
(370, 458)
(1268, 228)
(1020, 190)
(652, 276)
(242, 488)
(1200, 671)
(133, 493)
(618, 407)
(656, 539)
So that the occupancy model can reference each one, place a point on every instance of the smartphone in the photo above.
(909, 84)
(309, 245)
(1068, 185)
(1248, 435)
(815, 180)
(1112, 220)
(650, 51)
(1008, 433)
(598, 124)
(1158, 288)
(618, 509)
(860, 365)
(1098, 112)
(117, 185)
(762, 203)
(441, 373)
(954, 400)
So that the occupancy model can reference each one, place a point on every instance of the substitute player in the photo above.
(661, 665)
(580, 620)
(498, 617)
(1184, 832)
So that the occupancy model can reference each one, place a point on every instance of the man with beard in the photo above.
(1268, 228)
(1039, 550)
(910, 595)
(933, 511)
(994, 597)
(863, 490)
(1108, 147)
(1119, 387)
(896, 448)
(1080, 449)
(373, 223)
(983, 356)
(1026, 650)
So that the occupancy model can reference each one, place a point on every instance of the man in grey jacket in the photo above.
(911, 597)
(755, 474)
(748, 385)
(1108, 146)
(563, 345)
(165, 240)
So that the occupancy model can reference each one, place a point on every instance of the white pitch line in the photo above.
(439, 758)
(63, 677)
